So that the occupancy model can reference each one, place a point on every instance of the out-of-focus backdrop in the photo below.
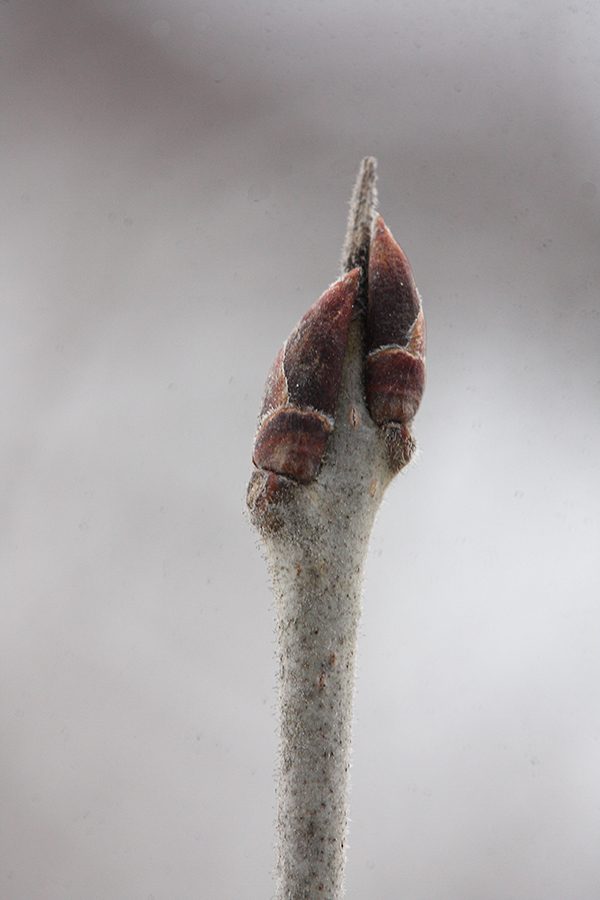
(175, 179)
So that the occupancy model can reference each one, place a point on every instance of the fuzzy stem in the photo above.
(317, 559)
(316, 531)
(318, 610)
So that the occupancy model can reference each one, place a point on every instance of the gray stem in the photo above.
(318, 609)
(316, 559)
(316, 521)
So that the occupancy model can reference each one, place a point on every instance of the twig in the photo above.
(333, 431)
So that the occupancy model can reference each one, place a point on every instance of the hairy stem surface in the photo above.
(333, 431)
(316, 560)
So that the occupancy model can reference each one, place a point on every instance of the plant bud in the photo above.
(395, 334)
(302, 387)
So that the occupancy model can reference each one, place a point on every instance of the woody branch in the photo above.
(334, 429)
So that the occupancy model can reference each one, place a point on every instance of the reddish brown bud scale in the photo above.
(395, 380)
(395, 334)
(292, 442)
(393, 304)
(315, 350)
(303, 385)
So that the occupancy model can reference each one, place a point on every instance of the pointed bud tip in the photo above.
(315, 350)
(394, 304)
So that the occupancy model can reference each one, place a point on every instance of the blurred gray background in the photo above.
(175, 180)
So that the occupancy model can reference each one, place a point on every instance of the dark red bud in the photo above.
(315, 350)
(395, 335)
(395, 380)
(302, 387)
(393, 301)
(292, 442)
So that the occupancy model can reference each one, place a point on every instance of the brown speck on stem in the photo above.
(354, 417)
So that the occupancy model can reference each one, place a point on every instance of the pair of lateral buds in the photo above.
(297, 415)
